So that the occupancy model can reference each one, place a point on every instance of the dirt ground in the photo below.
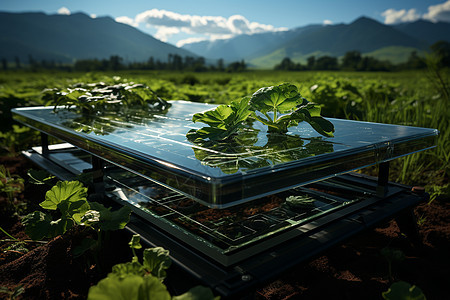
(355, 269)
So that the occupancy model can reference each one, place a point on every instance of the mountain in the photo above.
(245, 45)
(66, 38)
(426, 31)
(365, 35)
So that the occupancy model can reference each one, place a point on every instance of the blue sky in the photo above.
(181, 21)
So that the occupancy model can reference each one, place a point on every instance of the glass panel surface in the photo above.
(221, 175)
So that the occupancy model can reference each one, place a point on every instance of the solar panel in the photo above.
(153, 145)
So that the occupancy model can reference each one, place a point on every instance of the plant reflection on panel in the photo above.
(231, 143)
(242, 152)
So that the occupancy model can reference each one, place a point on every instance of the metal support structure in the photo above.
(97, 174)
(44, 144)
(383, 179)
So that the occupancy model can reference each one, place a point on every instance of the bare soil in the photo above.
(353, 270)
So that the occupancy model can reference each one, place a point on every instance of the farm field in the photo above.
(352, 270)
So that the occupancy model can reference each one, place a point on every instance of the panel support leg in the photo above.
(383, 179)
(97, 174)
(44, 144)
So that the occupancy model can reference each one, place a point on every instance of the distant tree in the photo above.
(288, 65)
(441, 50)
(115, 62)
(220, 64)
(311, 62)
(17, 61)
(326, 63)
(237, 66)
(351, 60)
(415, 62)
(4, 64)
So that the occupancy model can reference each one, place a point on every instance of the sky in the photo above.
(179, 21)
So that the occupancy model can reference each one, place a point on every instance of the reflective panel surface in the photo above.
(220, 175)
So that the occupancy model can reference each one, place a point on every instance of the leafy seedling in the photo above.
(392, 256)
(14, 293)
(69, 198)
(404, 291)
(40, 177)
(10, 184)
(135, 280)
(278, 107)
(224, 121)
(287, 108)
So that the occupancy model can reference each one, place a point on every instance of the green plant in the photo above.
(14, 293)
(10, 184)
(69, 198)
(403, 291)
(288, 108)
(278, 107)
(224, 121)
(97, 97)
(136, 280)
(392, 256)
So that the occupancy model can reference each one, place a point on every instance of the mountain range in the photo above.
(368, 36)
(67, 38)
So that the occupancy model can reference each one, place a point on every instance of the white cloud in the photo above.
(164, 32)
(439, 12)
(63, 11)
(392, 16)
(211, 27)
(127, 20)
(327, 22)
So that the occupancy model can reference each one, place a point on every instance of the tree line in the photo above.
(351, 61)
(355, 61)
(174, 62)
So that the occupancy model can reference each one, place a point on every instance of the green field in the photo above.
(416, 98)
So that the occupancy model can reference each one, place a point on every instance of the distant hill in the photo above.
(368, 36)
(426, 31)
(66, 38)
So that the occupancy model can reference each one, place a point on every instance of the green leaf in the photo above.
(282, 98)
(64, 191)
(311, 114)
(197, 293)
(152, 289)
(403, 291)
(39, 225)
(39, 176)
(215, 117)
(111, 220)
(224, 121)
(207, 133)
(157, 260)
(129, 268)
(131, 287)
(74, 209)
(116, 288)
(135, 242)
